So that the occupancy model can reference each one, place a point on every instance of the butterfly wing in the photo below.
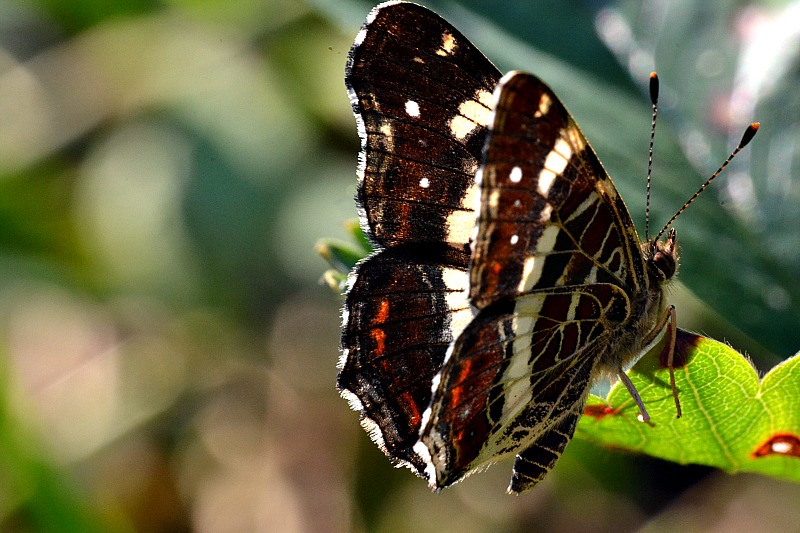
(535, 462)
(420, 93)
(554, 272)
(550, 214)
(519, 369)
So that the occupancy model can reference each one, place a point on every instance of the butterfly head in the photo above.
(662, 256)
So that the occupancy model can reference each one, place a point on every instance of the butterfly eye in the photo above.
(664, 263)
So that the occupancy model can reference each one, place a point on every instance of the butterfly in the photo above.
(507, 275)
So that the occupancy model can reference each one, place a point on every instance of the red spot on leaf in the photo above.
(780, 444)
(599, 411)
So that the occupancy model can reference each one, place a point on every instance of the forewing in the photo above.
(421, 94)
(550, 215)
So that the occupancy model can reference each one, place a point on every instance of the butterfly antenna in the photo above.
(749, 133)
(654, 101)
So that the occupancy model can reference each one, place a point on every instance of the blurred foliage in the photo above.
(168, 354)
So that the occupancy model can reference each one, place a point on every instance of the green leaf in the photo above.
(342, 256)
(354, 228)
(731, 419)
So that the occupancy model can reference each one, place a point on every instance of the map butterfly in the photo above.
(508, 275)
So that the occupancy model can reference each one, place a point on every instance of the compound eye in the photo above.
(665, 263)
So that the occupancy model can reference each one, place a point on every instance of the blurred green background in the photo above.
(167, 353)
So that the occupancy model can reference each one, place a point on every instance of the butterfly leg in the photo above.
(534, 462)
(644, 416)
(673, 331)
(668, 325)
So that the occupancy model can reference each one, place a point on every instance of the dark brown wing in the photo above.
(420, 93)
(535, 462)
(517, 371)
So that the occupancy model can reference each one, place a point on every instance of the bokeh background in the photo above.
(167, 351)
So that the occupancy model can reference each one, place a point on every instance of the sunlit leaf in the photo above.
(731, 419)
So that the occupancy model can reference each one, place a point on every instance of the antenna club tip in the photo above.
(749, 133)
(654, 87)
